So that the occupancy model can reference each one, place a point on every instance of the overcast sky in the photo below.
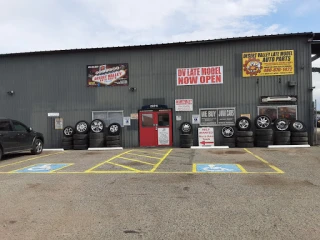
(65, 24)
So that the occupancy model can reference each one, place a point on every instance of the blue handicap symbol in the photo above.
(217, 168)
(42, 167)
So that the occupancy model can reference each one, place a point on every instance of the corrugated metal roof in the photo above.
(311, 34)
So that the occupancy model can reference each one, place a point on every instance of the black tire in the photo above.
(186, 141)
(245, 134)
(263, 143)
(282, 139)
(80, 142)
(1, 153)
(186, 136)
(78, 136)
(37, 146)
(282, 143)
(264, 138)
(300, 143)
(299, 139)
(99, 135)
(245, 145)
(243, 124)
(297, 126)
(68, 147)
(96, 143)
(228, 140)
(67, 139)
(186, 128)
(68, 131)
(115, 145)
(280, 134)
(281, 124)
(97, 126)
(245, 139)
(227, 132)
(185, 145)
(262, 122)
(114, 129)
(115, 142)
(80, 147)
(230, 145)
(112, 138)
(82, 127)
(264, 132)
(299, 134)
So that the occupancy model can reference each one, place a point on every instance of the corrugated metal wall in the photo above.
(56, 82)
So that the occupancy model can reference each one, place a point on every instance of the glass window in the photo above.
(274, 112)
(269, 111)
(147, 120)
(109, 117)
(19, 127)
(163, 119)
(5, 126)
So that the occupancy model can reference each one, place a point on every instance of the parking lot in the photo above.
(162, 193)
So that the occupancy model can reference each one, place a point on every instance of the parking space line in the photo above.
(69, 164)
(42, 156)
(194, 167)
(124, 166)
(148, 152)
(264, 161)
(144, 156)
(100, 164)
(135, 160)
(161, 160)
(241, 168)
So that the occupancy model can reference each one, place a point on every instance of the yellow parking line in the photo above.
(137, 172)
(100, 164)
(194, 167)
(135, 160)
(161, 160)
(241, 168)
(144, 156)
(123, 166)
(69, 164)
(29, 159)
(148, 152)
(264, 161)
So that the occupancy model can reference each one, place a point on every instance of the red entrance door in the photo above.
(155, 128)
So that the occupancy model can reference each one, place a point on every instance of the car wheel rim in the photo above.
(113, 128)
(82, 127)
(227, 131)
(186, 128)
(96, 126)
(38, 147)
(68, 131)
(263, 122)
(243, 124)
(282, 125)
(297, 125)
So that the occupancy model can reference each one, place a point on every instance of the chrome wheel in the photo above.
(186, 128)
(298, 125)
(68, 131)
(227, 132)
(96, 126)
(82, 127)
(263, 122)
(282, 125)
(243, 124)
(114, 128)
(38, 147)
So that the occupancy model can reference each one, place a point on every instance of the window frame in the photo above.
(109, 111)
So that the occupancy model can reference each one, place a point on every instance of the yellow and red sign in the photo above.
(271, 63)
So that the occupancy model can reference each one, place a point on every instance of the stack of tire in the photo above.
(244, 135)
(80, 138)
(282, 134)
(113, 138)
(96, 135)
(67, 139)
(228, 139)
(186, 136)
(264, 132)
(299, 135)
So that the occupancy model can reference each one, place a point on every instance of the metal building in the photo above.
(211, 73)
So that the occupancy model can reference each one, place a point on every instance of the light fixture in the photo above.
(10, 92)
(132, 89)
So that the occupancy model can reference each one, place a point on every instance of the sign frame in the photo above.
(216, 123)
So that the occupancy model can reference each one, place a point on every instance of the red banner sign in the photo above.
(200, 76)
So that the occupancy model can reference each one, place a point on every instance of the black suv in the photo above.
(17, 137)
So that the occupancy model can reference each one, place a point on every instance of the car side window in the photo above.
(19, 127)
(5, 126)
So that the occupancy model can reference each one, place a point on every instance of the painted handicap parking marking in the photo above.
(225, 168)
(43, 168)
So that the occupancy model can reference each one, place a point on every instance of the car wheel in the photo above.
(262, 122)
(68, 131)
(297, 126)
(227, 132)
(82, 127)
(97, 126)
(114, 129)
(281, 124)
(243, 124)
(1, 153)
(37, 147)
(186, 128)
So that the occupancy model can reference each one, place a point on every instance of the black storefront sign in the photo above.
(217, 116)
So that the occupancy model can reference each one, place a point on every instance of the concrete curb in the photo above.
(105, 149)
(218, 147)
(288, 146)
(53, 149)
